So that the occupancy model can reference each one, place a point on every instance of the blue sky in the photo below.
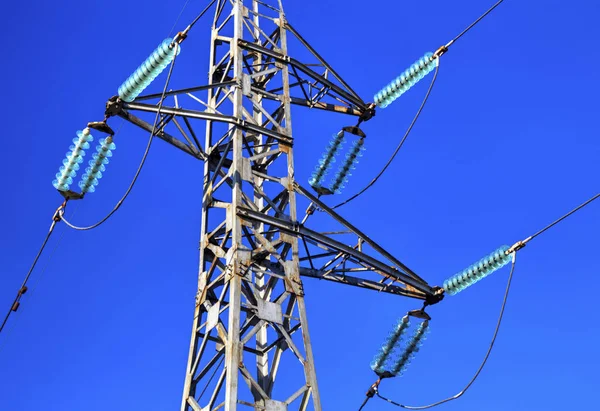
(507, 143)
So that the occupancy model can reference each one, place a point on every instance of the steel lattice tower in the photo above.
(250, 319)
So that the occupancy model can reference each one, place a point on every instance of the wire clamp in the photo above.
(59, 212)
(373, 388)
(182, 35)
(516, 247)
(440, 52)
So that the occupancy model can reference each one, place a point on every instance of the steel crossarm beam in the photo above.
(351, 99)
(321, 60)
(301, 231)
(343, 278)
(186, 90)
(360, 234)
(186, 148)
(360, 283)
(204, 115)
(309, 103)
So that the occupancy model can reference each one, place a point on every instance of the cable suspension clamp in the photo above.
(59, 212)
(182, 35)
(441, 51)
(517, 246)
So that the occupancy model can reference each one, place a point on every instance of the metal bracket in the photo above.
(419, 314)
(114, 105)
(70, 195)
(269, 311)
(102, 127)
(434, 298)
(516, 247)
(272, 405)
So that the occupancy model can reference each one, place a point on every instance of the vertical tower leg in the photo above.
(250, 324)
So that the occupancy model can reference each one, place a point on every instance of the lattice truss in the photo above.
(250, 319)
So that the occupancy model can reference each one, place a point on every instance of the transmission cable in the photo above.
(487, 354)
(462, 33)
(202, 13)
(555, 222)
(441, 51)
(143, 161)
(399, 146)
(178, 17)
(16, 303)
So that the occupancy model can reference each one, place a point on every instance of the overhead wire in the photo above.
(555, 222)
(485, 358)
(462, 33)
(364, 403)
(23, 289)
(443, 49)
(202, 13)
(58, 242)
(142, 162)
(178, 17)
(40, 276)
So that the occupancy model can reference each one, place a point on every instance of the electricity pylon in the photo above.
(250, 319)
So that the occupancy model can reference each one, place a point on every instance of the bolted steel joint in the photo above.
(114, 105)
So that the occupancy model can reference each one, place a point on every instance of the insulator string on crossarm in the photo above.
(71, 164)
(485, 358)
(404, 82)
(400, 144)
(142, 162)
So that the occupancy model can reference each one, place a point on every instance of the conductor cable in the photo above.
(16, 303)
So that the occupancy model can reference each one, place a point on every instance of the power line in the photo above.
(487, 354)
(52, 253)
(178, 17)
(399, 146)
(364, 403)
(202, 13)
(520, 244)
(462, 33)
(543, 230)
(15, 305)
(143, 161)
